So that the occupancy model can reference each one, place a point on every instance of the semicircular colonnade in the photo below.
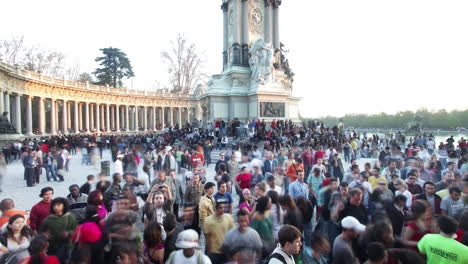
(42, 105)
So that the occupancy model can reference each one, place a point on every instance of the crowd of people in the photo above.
(281, 193)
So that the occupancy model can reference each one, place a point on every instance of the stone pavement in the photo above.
(14, 185)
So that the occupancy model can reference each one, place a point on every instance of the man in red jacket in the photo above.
(42, 209)
(319, 154)
(197, 157)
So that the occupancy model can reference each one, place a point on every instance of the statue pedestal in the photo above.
(233, 94)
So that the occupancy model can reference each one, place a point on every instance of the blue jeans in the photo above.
(85, 160)
(51, 171)
(443, 162)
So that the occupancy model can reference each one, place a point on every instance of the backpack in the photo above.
(277, 256)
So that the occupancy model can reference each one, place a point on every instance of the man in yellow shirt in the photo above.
(215, 228)
(206, 205)
(375, 178)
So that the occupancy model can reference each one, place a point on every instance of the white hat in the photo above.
(187, 239)
(120, 156)
(168, 148)
(350, 222)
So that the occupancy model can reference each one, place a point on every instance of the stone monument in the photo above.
(256, 81)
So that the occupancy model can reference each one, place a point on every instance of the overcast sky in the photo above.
(348, 56)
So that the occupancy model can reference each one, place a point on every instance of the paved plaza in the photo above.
(14, 185)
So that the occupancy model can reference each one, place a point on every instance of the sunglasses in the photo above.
(382, 184)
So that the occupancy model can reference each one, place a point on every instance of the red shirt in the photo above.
(47, 260)
(318, 155)
(244, 179)
(196, 158)
(39, 212)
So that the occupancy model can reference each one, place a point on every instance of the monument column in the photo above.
(268, 21)
(77, 125)
(117, 118)
(18, 114)
(41, 116)
(7, 106)
(224, 7)
(98, 117)
(64, 117)
(276, 36)
(245, 33)
(107, 119)
(136, 118)
(52, 117)
(236, 32)
(87, 117)
(29, 122)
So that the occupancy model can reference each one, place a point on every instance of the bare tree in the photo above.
(10, 49)
(185, 65)
(36, 59)
(43, 61)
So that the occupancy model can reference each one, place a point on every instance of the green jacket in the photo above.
(60, 229)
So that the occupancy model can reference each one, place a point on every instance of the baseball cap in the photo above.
(351, 222)
(187, 239)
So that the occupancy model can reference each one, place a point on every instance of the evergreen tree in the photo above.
(115, 66)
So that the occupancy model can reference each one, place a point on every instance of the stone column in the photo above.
(77, 124)
(29, 117)
(117, 118)
(112, 116)
(98, 117)
(179, 116)
(87, 117)
(80, 116)
(53, 128)
(136, 118)
(41, 116)
(162, 118)
(187, 115)
(18, 114)
(7, 106)
(224, 7)
(91, 117)
(236, 32)
(154, 118)
(107, 118)
(276, 36)
(127, 123)
(245, 33)
(103, 118)
(268, 21)
(69, 120)
(145, 118)
(2, 102)
(64, 117)
(171, 116)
